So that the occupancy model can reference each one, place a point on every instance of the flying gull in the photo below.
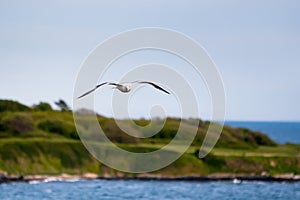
(124, 87)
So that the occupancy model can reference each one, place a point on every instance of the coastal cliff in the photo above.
(39, 141)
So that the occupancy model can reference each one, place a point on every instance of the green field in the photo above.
(40, 140)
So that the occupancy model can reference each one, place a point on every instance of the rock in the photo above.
(221, 175)
(107, 175)
(297, 177)
(35, 177)
(147, 175)
(3, 173)
(90, 176)
(284, 176)
(68, 176)
(120, 175)
(264, 173)
(273, 163)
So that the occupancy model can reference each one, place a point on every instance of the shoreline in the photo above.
(236, 178)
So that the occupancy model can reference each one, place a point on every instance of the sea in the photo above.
(281, 132)
(137, 189)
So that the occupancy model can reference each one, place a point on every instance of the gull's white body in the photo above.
(124, 87)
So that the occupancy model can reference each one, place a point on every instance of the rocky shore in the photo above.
(236, 178)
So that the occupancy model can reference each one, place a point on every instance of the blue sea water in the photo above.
(281, 132)
(105, 189)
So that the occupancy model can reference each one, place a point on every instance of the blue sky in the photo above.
(255, 44)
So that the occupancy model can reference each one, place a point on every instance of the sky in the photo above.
(255, 45)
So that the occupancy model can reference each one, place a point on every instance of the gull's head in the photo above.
(128, 88)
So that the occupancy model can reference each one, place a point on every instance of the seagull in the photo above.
(124, 87)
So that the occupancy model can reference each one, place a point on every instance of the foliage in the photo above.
(213, 161)
(114, 133)
(39, 156)
(17, 123)
(59, 127)
(42, 140)
(62, 105)
(42, 106)
(9, 105)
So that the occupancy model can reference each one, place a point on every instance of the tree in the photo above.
(42, 106)
(62, 105)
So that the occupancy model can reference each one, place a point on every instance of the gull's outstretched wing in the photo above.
(154, 85)
(97, 86)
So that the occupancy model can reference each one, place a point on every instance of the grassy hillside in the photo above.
(40, 140)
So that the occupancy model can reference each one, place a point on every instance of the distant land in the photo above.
(280, 131)
(40, 141)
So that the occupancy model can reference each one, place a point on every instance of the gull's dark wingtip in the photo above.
(87, 93)
(80, 96)
(166, 91)
(154, 85)
(162, 89)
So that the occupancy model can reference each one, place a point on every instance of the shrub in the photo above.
(58, 127)
(212, 160)
(262, 139)
(8, 105)
(17, 123)
(115, 134)
(42, 106)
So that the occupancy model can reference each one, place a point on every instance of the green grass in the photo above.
(44, 141)
(40, 156)
(56, 156)
(264, 151)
